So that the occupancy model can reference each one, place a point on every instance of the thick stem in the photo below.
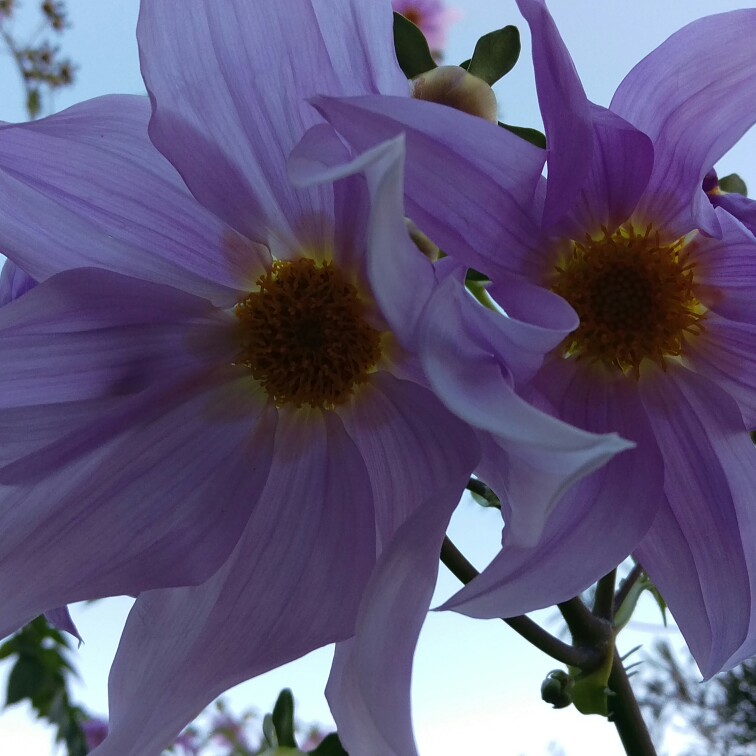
(626, 715)
(603, 601)
(583, 658)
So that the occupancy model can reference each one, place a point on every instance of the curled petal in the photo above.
(391, 259)
(594, 525)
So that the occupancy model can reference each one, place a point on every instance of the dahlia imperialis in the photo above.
(663, 283)
(212, 398)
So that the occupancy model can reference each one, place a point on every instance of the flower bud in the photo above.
(556, 689)
(453, 86)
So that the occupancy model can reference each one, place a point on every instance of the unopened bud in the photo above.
(556, 689)
(453, 86)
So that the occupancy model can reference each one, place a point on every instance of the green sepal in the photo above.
(590, 690)
(330, 746)
(535, 137)
(283, 719)
(411, 47)
(269, 731)
(733, 184)
(660, 602)
(495, 54)
(627, 607)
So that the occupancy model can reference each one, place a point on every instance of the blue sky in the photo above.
(476, 683)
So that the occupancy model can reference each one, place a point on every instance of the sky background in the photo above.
(476, 683)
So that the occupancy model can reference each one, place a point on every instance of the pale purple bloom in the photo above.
(431, 16)
(141, 455)
(682, 386)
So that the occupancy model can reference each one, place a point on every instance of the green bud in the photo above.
(556, 689)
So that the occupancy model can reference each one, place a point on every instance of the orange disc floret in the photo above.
(305, 335)
(635, 296)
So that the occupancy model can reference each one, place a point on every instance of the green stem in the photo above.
(625, 713)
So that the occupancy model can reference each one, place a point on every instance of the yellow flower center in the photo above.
(636, 298)
(305, 335)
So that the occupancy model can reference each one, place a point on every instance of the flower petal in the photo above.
(726, 354)
(90, 333)
(392, 260)
(161, 503)
(369, 686)
(412, 447)
(86, 187)
(709, 480)
(565, 109)
(13, 282)
(598, 163)
(470, 185)
(595, 524)
(292, 584)
(620, 168)
(742, 208)
(694, 116)
(61, 619)
(726, 270)
(227, 118)
(477, 384)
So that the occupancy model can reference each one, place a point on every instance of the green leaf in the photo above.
(533, 136)
(283, 719)
(411, 47)
(734, 184)
(495, 54)
(27, 678)
(330, 746)
(33, 103)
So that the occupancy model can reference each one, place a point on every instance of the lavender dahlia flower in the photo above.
(663, 283)
(214, 400)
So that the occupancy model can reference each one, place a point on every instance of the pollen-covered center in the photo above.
(636, 298)
(305, 335)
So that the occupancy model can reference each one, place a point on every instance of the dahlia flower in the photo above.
(663, 283)
(213, 398)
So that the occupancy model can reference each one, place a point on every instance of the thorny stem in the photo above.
(625, 713)
(524, 626)
(586, 628)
